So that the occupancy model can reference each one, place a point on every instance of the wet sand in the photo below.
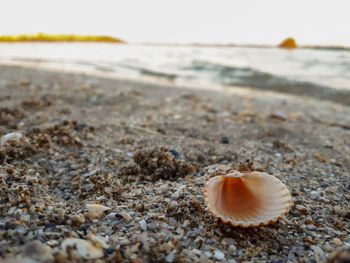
(86, 139)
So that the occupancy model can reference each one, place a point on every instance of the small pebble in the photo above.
(219, 255)
(78, 219)
(224, 140)
(308, 220)
(96, 210)
(341, 255)
(170, 257)
(196, 251)
(25, 82)
(314, 194)
(175, 153)
(302, 209)
(37, 250)
(337, 241)
(278, 116)
(126, 216)
(98, 241)
(143, 225)
(342, 212)
(114, 216)
(80, 249)
(173, 205)
(13, 136)
(109, 250)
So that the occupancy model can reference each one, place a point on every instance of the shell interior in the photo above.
(247, 199)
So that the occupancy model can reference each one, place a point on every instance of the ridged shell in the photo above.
(247, 199)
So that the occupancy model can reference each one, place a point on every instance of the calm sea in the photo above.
(197, 65)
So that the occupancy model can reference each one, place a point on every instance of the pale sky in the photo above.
(322, 22)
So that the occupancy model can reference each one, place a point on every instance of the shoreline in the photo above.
(82, 132)
(310, 92)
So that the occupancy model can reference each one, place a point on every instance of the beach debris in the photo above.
(77, 219)
(9, 117)
(314, 194)
(171, 256)
(80, 249)
(11, 137)
(143, 225)
(38, 251)
(218, 167)
(320, 256)
(25, 82)
(98, 240)
(282, 145)
(96, 210)
(219, 255)
(337, 241)
(34, 104)
(37, 140)
(320, 158)
(288, 43)
(302, 209)
(340, 255)
(343, 212)
(159, 163)
(21, 260)
(249, 165)
(15, 146)
(247, 199)
(224, 140)
(61, 213)
(248, 106)
(126, 216)
(344, 126)
(293, 116)
(277, 115)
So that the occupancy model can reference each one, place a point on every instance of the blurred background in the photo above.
(201, 43)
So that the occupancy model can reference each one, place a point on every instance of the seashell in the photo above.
(80, 249)
(96, 210)
(98, 241)
(247, 199)
(13, 136)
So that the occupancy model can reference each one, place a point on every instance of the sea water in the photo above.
(198, 65)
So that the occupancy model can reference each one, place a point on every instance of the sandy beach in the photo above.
(145, 152)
